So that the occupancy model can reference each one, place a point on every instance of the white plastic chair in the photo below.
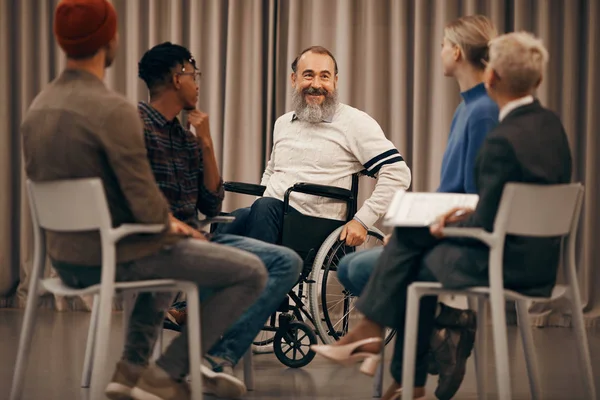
(128, 303)
(526, 210)
(80, 205)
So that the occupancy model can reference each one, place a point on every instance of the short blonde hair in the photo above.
(472, 35)
(519, 59)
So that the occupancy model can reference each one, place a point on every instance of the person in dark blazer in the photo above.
(529, 145)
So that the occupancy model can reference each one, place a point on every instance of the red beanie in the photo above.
(82, 27)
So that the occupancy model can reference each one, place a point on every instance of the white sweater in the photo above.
(329, 153)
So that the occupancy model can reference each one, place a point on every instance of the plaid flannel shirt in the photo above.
(176, 160)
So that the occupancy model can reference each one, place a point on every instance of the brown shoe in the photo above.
(124, 379)
(450, 349)
(156, 384)
(177, 316)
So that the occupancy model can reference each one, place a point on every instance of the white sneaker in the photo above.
(266, 349)
(218, 380)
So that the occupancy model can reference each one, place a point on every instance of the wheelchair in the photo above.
(331, 311)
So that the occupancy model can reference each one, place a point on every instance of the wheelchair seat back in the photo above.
(305, 234)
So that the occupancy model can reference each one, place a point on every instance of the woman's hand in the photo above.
(454, 215)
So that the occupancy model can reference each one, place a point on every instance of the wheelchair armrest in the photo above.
(219, 219)
(244, 188)
(332, 192)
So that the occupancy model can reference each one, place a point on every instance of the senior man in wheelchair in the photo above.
(322, 142)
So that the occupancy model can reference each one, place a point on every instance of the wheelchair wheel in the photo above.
(292, 344)
(264, 338)
(331, 305)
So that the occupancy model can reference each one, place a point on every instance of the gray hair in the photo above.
(519, 59)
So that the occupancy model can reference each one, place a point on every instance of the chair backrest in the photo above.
(69, 205)
(539, 210)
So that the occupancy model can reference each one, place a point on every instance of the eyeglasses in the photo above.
(196, 74)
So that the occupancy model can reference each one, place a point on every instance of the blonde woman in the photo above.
(464, 53)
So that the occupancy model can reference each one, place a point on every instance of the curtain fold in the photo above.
(389, 66)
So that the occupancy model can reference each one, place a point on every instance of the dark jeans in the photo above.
(355, 269)
(262, 221)
(383, 300)
(283, 267)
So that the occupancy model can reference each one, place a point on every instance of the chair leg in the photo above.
(500, 345)
(128, 304)
(480, 350)
(25, 343)
(529, 349)
(193, 326)
(248, 370)
(86, 376)
(378, 381)
(410, 343)
(101, 344)
(583, 346)
(158, 346)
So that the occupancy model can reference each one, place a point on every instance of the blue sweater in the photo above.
(475, 116)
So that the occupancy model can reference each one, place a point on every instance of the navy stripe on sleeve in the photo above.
(373, 172)
(380, 157)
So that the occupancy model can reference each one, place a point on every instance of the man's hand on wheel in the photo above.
(354, 233)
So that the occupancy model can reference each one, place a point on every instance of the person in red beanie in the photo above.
(77, 128)
(86, 30)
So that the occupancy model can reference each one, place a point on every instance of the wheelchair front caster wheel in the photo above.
(292, 344)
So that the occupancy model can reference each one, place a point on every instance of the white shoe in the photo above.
(347, 355)
(218, 380)
(266, 349)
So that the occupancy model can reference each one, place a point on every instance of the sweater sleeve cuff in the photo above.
(366, 217)
(360, 222)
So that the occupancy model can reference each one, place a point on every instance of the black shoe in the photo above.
(450, 317)
(432, 368)
(450, 349)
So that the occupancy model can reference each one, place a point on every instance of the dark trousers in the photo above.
(384, 298)
(262, 221)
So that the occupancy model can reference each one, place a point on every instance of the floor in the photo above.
(59, 343)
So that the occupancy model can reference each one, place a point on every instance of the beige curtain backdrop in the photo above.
(388, 56)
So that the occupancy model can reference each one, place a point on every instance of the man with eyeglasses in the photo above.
(186, 171)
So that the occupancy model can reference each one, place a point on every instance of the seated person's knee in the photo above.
(268, 204)
(257, 273)
(343, 271)
(295, 261)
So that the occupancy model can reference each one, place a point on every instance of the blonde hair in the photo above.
(472, 35)
(519, 59)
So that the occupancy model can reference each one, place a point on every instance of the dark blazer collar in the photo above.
(535, 106)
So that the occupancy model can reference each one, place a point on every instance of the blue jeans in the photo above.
(262, 221)
(283, 267)
(355, 269)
